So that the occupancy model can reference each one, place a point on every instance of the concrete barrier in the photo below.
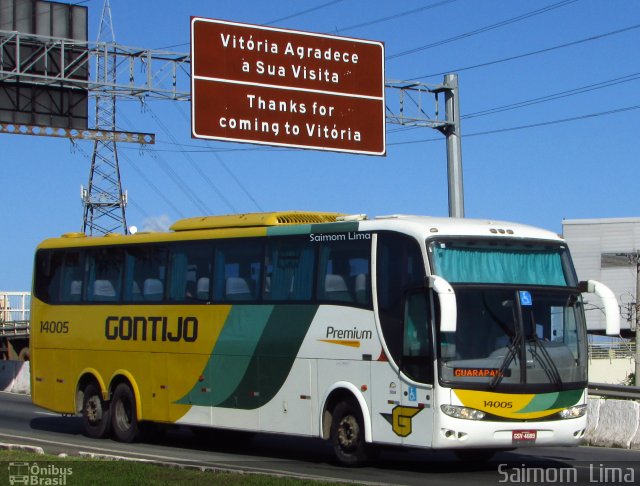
(15, 376)
(613, 423)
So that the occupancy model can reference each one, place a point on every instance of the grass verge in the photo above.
(20, 467)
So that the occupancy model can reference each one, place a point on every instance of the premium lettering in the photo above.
(355, 333)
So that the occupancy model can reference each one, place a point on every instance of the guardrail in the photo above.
(14, 306)
(15, 329)
(614, 391)
(612, 350)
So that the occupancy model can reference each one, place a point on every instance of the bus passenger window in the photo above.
(191, 268)
(145, 273)
(48, 269)
(72, 276)
(104, 275)
(237, 270)
(289, 270)
(343, 274)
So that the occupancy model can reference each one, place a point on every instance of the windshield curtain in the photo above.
(460, 262)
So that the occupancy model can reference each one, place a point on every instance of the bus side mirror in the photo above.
(609, 302)
(447, 298)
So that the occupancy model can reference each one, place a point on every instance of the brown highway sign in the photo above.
(286, 88)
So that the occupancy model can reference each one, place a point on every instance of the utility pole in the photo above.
(103, 200)
(636, 376)
(454, 147)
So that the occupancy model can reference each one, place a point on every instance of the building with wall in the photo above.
(606, 250)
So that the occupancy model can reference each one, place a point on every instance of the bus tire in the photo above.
(96, 418)
(24, 355)
(347, 435)
(124, 420)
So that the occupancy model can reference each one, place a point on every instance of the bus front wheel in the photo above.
(96, 418)
(123, 414)
(347, 435)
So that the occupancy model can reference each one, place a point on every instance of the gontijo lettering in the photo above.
(151, 328)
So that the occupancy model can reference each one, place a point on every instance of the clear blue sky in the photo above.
(578, 158)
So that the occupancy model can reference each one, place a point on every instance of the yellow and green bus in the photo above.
(398, 331)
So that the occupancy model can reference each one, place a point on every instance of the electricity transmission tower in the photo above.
(104, 201)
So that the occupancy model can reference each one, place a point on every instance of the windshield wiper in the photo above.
(512, 352)
(515, 346)
(546, 361)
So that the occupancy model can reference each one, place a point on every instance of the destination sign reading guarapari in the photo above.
(287, 88)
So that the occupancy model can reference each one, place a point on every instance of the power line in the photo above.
(155, 189)
(175, 178)
(523, 127)
(224, 165)
(197, 168)
(554, 96)
(303, 12)
(532, 53)
(287, 17)
(202, 149)
(398, 15)
(482, 29)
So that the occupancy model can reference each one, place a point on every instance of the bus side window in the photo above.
(104, 268)
(191, 267)
(238, 270)
(72, 277)
(289, 269)
(343, 273)
(145, 273)
(417, 355)
(399, 267)
(49, 266)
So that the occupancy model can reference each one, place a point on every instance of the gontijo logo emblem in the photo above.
(400, 419)
(346, 337)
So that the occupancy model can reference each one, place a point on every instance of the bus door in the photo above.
(413, 417)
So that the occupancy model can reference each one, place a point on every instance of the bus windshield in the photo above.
(520, 318)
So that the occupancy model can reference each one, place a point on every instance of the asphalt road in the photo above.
(23, 423)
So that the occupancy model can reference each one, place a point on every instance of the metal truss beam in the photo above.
(78, 134)
(161, 74)
(43, 60)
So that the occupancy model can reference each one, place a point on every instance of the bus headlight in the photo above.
(573, 412)
(462, 412)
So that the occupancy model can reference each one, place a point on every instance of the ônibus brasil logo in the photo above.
(37, 474)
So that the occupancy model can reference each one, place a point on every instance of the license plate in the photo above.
(521, 436)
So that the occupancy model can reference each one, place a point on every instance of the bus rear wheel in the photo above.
(347, 435)
(124, 420)
(96, 418)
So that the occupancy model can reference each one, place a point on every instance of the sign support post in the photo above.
(454, 147)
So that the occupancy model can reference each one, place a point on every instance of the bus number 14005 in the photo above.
(54, 327)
